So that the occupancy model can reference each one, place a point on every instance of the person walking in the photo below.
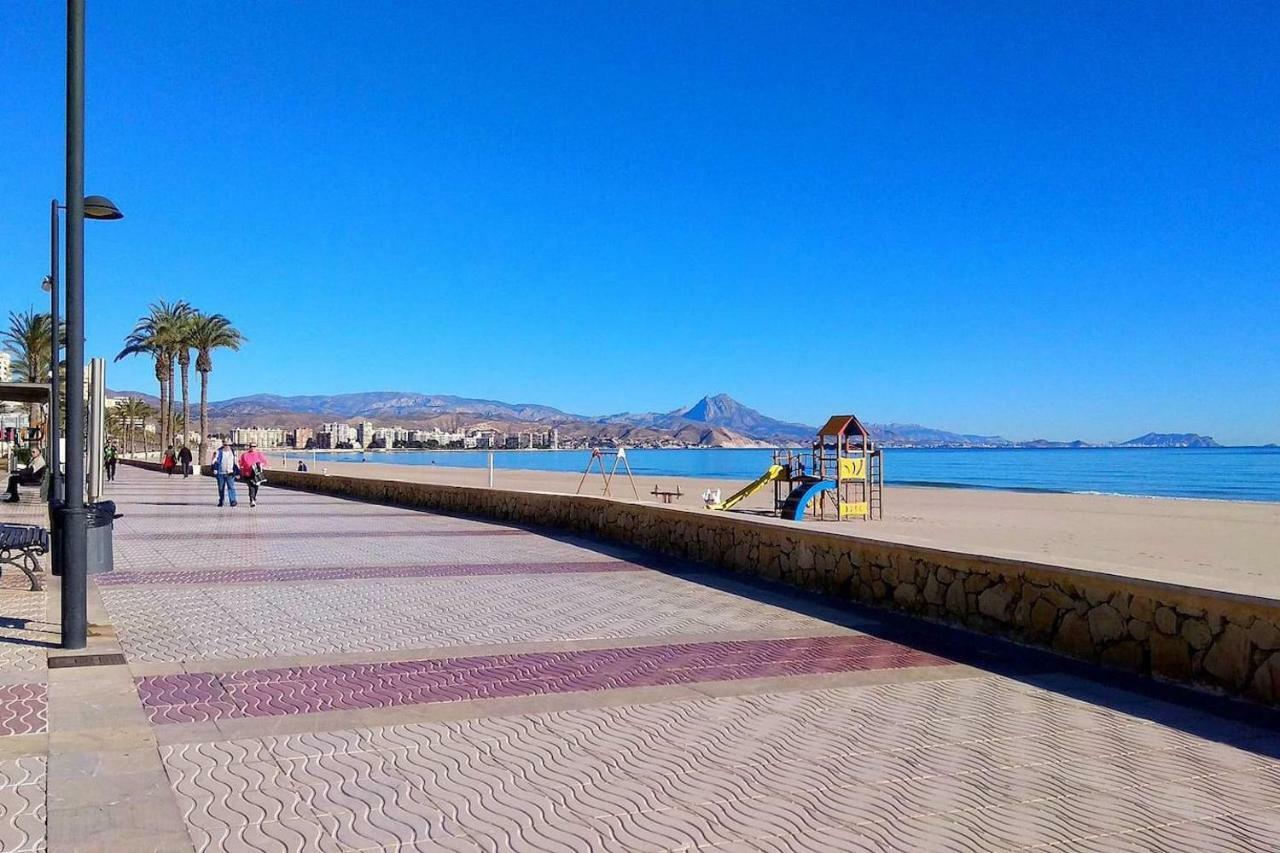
(225, 471)
(169, 462)
(252, 463)
(184, 459)
(109, 458)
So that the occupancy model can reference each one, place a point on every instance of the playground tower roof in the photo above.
(844, 425)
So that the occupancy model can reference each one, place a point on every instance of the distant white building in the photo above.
(261, 436)
(335, 434)
(6, 367)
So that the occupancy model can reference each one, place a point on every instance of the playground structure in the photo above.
(597, 458)
(841, 477)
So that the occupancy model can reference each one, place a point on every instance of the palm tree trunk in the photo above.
(204, 412)
(164, 396)
(186, 403)
(173, 393)
(166, 428)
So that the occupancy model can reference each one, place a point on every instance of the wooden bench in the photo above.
(22, 545)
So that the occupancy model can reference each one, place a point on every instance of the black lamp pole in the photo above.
(75, 522)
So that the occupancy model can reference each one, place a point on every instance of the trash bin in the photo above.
(101, 517)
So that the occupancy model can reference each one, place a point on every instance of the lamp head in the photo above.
(101, 207)
(47, 284)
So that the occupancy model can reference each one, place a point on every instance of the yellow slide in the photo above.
(756, 485)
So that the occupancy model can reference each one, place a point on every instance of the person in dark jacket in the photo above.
(184, 459)
(110, 457)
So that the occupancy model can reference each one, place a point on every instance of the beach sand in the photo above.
(1231, 546)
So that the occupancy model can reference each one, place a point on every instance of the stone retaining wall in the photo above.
(1212, 639)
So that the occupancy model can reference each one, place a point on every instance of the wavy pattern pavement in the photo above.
(23, 709)
(22, 803)
(924, 760)
(366, 573)
(332, 533)
(198, 697)
(24, 634)
(183, 623)
(968, 765)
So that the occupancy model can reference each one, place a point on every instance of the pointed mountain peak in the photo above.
(713, 408)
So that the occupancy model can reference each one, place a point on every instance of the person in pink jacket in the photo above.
(252, 464)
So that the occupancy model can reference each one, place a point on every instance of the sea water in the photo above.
(1228, 473)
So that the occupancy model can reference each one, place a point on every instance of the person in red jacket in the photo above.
(252, 464)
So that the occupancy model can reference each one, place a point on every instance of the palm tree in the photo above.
(209, 332)
(160, 335)
(178, 424)
(28, 336)
(118, 425)
(134, 413)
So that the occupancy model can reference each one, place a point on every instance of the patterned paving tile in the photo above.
(22, 803)
(903, 767)
(182, 623)
(24, 634)
(366, 573)
(198, 697)
(233, 550)
(23, 708)
(258, 538)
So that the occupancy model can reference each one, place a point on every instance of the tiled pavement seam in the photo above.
(143, 668)
(199, 697)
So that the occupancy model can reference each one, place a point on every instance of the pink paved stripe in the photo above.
(23, 709)
(199, 697)
(361, 573)
(337, 534)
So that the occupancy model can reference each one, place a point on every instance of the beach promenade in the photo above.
(317, 674)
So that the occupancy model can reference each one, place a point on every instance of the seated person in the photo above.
(28, 476)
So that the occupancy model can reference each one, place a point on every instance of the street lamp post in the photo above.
(74, 515)
(75, 536)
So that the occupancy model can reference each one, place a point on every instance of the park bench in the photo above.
(21, 545)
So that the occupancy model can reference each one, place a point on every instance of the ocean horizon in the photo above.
(1220, 473)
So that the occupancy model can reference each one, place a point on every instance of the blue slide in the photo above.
(793, 509)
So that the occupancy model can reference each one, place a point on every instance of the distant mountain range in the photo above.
(713, 421)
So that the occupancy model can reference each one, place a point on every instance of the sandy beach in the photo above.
(1230, 546)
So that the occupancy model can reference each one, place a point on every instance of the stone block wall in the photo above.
(1218, 640)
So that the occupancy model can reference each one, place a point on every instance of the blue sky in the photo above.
(1057, 220)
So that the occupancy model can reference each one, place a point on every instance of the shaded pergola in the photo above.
(24, 392)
